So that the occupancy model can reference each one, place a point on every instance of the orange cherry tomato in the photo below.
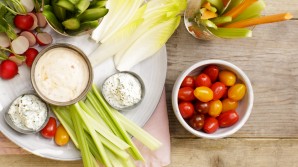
(215, 108)
(227, 77)
(229, 104)
(237, 92)
(61, 136)
(203, 93)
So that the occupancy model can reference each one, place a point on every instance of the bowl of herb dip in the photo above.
(123, 90)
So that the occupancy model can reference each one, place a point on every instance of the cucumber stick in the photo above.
(85, 26)
(93, 14)
(66, 5)
(58, 11)
(51, 18)
(71, 24)
(82, 5)
(96, 3)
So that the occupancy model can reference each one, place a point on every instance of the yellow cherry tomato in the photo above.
(227, 77)
(61, 136)
(203, 93)
(215, 108)
(237, 92)
(229, 104)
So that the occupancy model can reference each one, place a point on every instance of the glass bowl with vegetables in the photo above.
(74, 17)
(211, 19)
(212, 99)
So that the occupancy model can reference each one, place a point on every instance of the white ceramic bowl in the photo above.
(244, 107)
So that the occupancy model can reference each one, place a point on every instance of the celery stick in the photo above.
(93, 113)
(63, 116)
(231, 32)
(208, 23)
(221, 20)
(252, 11)
(135, 152)
(92, 147)
(85, 151)
(216, 3)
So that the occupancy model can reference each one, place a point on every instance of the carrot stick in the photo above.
(239, 8)
(260, 20)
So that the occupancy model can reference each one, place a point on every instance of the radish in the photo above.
(35, 23)
(28, 4)
(30, 36)
(44, 38)
(42, 22)
(20, 45)
(15, 59)
(30, 54)
(8, 69)
(4, 40)
(16, 30)
(23, 22)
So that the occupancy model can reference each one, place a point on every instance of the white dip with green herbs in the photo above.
(122, 90)
(61, 74)
(28, 112)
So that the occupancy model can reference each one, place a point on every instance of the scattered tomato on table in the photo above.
(209, 100)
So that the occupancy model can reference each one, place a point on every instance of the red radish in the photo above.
(16, 30)
(4, 40)
(30, 36)
(44, 38)
(28, 4)
(20, 45)
(30, 54)
(8, 69)
(23, 22)
(42, 22)
(35, 23)
(15, 59)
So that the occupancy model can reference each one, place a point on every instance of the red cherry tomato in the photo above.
(188, 81)
(212, 71)
(219, 89)
(197, 121)
(50, 129)
(203, 80)
(210, 125)
(186, 109)
(203, 93)
(228, 118)
(202, 107)
(186, 94)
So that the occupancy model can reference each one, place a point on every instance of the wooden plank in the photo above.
(268, 58)
(274, 7)
(234, 152)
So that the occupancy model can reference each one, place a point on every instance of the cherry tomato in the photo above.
(215, 108)
(219, 89)
(186, 109)
(188, 81)
(186, 94)
(210, 125)
(197, 121)
(61, 136)
(237, 92)
(203, 93)
(228, 118)
(229, 104)
(50, 129)
(203, 80)
(202, 107)
(227, 77)
(212, 71)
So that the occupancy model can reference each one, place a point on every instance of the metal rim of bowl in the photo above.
(241, 121)
(90, 70)
(142, 88)
(23, 131)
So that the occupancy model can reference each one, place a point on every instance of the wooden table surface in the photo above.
(269, 138)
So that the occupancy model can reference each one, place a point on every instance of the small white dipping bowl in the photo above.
(244, 106)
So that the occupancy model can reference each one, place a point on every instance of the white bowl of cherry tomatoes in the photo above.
(212, 99)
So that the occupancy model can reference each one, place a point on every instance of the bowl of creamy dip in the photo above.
(61, 74)
(123, 90)
(27, 114)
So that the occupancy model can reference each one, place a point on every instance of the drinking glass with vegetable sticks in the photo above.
(209, 19)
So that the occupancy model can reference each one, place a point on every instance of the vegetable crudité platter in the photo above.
(113, 42)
